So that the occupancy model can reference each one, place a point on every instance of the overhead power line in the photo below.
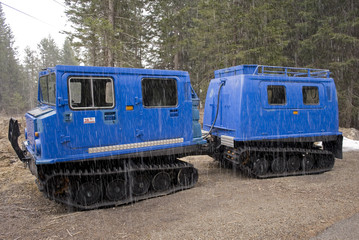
(27, 14)
(59, 3)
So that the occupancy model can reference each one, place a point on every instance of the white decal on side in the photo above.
(89, 120)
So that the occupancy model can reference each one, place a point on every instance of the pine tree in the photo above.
(169, 25)
(68, 54)
(107, 33)
(49, 52)
(332, 42)
(11, 79)
(31, 65)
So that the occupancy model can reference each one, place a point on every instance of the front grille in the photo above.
(31, 129)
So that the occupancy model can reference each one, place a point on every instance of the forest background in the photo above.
(198, 36)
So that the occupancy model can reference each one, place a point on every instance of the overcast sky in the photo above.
(28, 31)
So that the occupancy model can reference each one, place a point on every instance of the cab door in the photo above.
(161, 108)
(90, 117)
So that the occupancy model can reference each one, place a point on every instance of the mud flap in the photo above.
(336, 147)
(338, 151)
(13, 135)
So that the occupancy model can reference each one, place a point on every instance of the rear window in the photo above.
(276, 95)
(310, 95)
(159, 92)
(90, 93)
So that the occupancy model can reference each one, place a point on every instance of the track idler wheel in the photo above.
(279, 165)
(140, 184)
(88, 193)
(116, 190)
(161, 182)
(187, 176)
(327, 162)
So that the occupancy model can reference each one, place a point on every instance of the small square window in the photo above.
(276, 95)
(159, 92)
(310, 95)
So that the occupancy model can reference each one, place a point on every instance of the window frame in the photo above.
(285, 95)
(312, 87)
(91, 78)
(41, 96)
(160, 78)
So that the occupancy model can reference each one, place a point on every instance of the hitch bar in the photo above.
(14, 133)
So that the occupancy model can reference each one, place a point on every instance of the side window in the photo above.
(159, 92)
(80, 93)
(276, 95)
(109, 93)
(52, 88)
(76, 92)
(102, 91)
(310, 95)
(44, 89)
(89, 93)
(48, 89)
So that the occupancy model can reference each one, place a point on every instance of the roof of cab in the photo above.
(113, 70)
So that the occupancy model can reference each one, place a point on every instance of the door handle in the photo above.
(174, 113)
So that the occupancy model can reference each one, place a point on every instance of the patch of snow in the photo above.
(350, 145)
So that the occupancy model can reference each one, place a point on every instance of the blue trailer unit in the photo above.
(266, 119)
(106, 136)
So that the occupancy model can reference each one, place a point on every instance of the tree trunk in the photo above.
(176, 61)
(110, 43)
(349, 108)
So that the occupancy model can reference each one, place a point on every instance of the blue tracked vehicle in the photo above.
(266, 120)
(108, 136)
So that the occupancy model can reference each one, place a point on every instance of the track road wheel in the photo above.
(293, 163)
(279, 165)
(260, 166)
(161, 182)
(308, 162)
(116, 190)
(140, 184)
(187, 176)
(88, 193)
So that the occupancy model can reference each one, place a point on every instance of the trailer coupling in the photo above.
(14, 133)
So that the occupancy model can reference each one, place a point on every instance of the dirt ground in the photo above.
(223, 205)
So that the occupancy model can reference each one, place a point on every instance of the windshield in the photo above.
(48, 89)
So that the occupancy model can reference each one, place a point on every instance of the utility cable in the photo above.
(59, 3)
(27, 14)
(215, 118)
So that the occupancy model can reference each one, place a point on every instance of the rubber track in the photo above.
(128, 169)
(234, 158)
